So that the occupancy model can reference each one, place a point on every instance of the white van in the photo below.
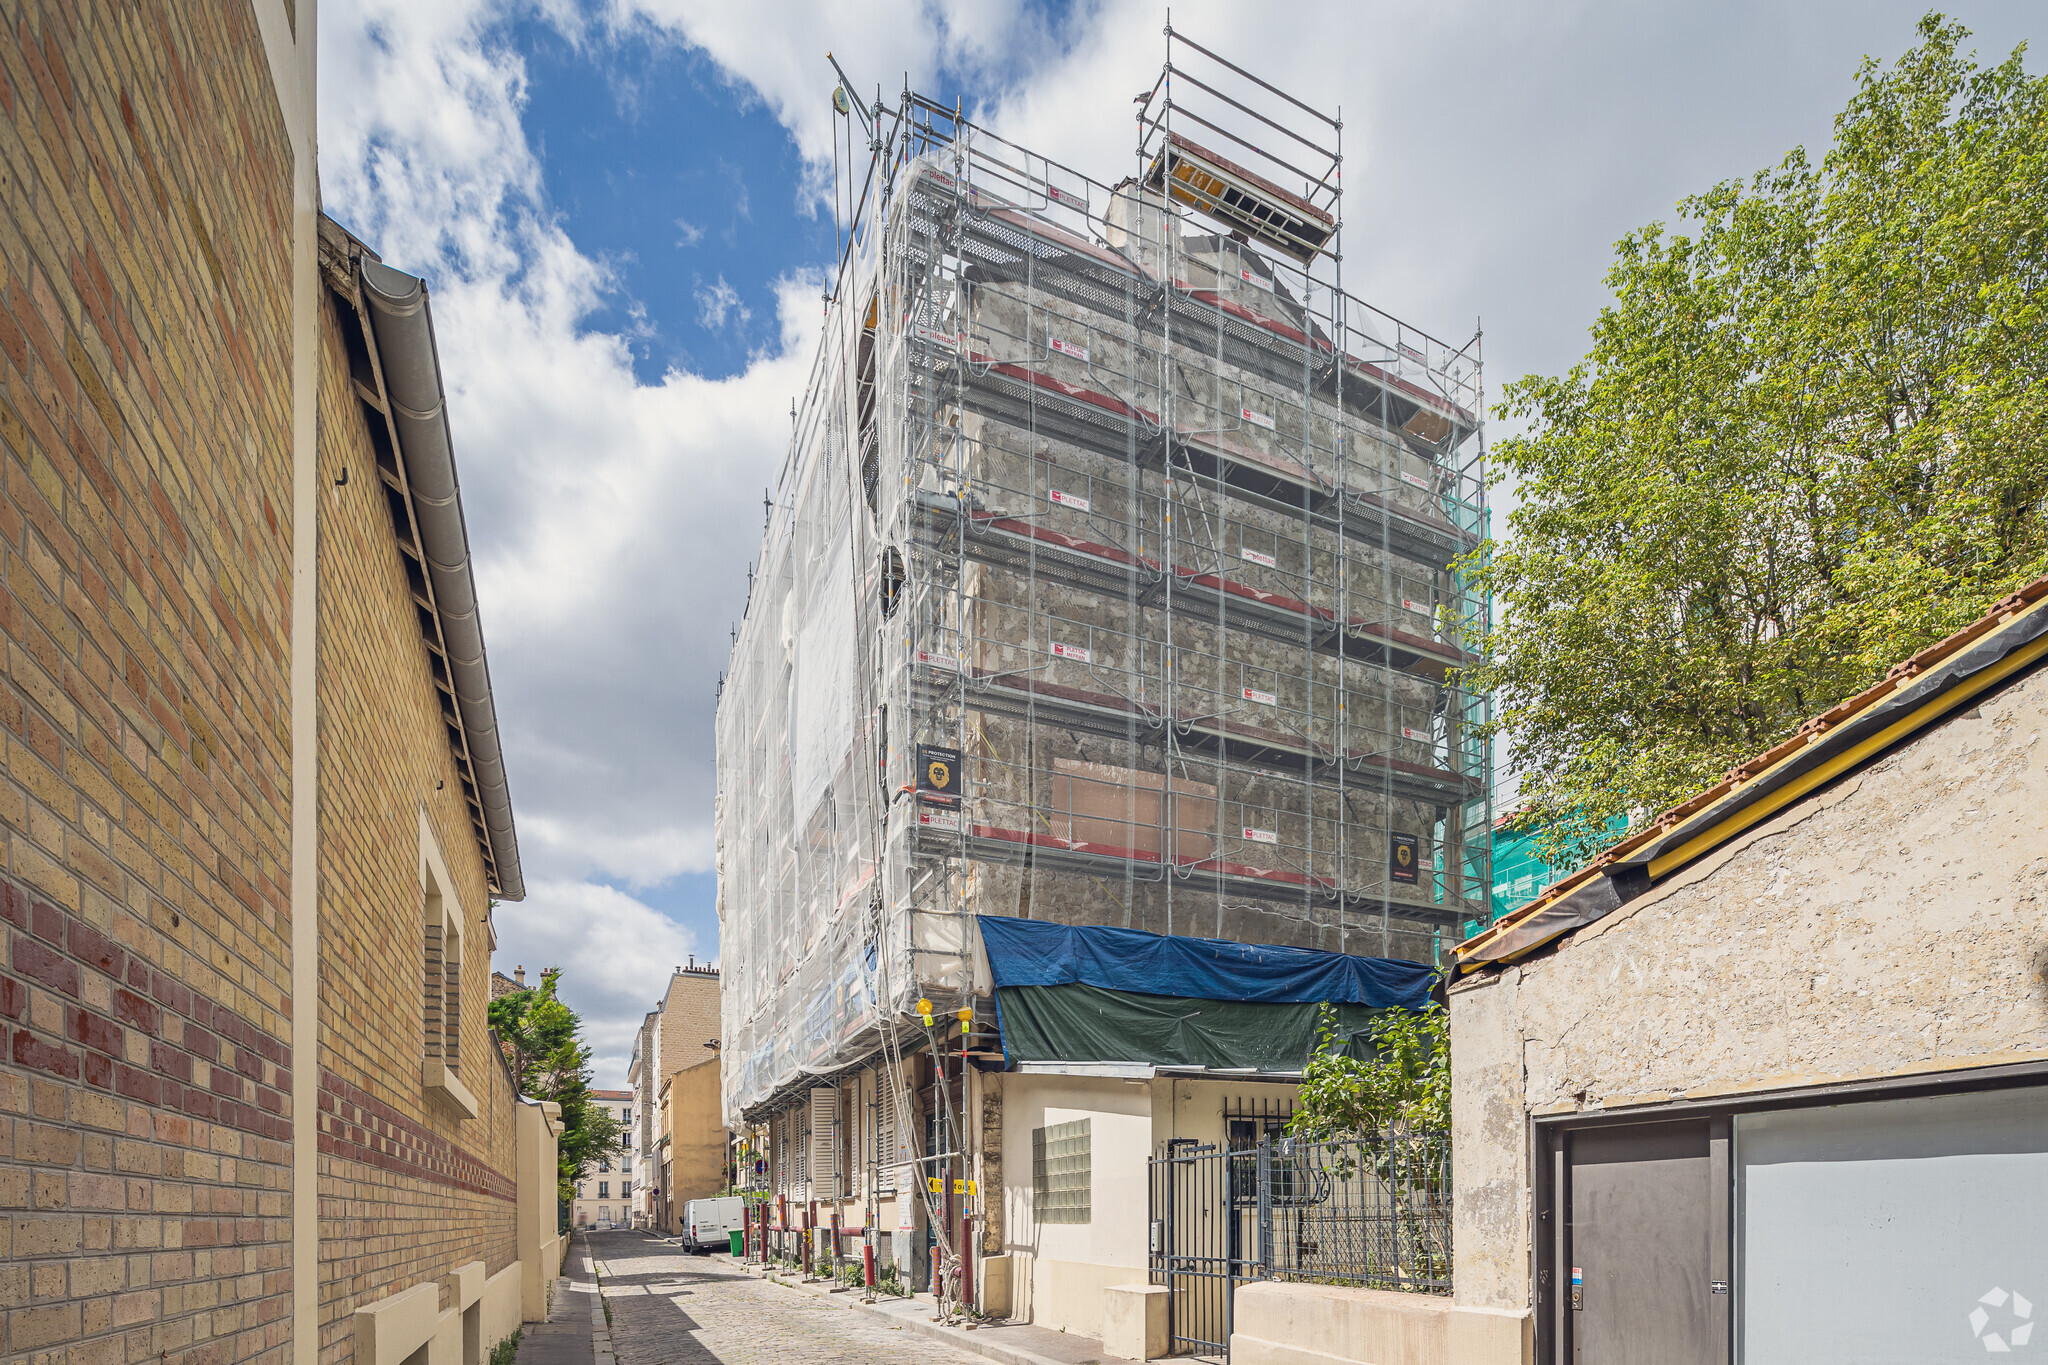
(708, 1223)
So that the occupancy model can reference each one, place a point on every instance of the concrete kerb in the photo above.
(914, 1314)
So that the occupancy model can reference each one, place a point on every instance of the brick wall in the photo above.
(145, 480)
(410, 1187)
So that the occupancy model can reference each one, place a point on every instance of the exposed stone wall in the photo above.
(410, 1187)
(145, 546)
(1889, 925)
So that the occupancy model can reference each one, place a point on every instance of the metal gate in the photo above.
(1206, 1220)
(1372, 1210)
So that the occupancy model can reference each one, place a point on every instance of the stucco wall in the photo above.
(1892, 924)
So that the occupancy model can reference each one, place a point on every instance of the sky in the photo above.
(624, 212)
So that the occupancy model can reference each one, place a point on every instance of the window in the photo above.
(604, 1189)
(1061, 1156)
(625, 1118)
(625, 1189)
(441, 959)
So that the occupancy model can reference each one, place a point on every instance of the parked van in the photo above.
(709, 1223)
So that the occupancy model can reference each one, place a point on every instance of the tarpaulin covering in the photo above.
(1095, 994)
(1035, 953)
(1081, 1023)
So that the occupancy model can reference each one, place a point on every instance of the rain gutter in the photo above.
(396, 372)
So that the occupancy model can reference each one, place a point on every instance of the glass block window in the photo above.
(1060, 1172)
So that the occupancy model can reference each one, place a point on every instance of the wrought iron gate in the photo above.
(1204, 1239)
(1372, 1210)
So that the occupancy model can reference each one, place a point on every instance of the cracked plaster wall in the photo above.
(1892, 924)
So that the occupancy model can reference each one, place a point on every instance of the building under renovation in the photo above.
(1108, 582)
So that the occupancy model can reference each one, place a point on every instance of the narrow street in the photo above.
(670, 1308)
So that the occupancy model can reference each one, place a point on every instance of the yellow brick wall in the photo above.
(410, 1188)
(145, 550)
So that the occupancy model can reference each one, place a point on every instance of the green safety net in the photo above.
(1082, 1023)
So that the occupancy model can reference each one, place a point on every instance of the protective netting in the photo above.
(1108, 581)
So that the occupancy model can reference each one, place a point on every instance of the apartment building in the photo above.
(604, 1197)
(675, 1074)
(253, 809)
(640, 1076)
(1108, 586)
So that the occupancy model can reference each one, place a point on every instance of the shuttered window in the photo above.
(824, 1149)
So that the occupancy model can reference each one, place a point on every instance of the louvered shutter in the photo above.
(824, 1148)
(885, 1137)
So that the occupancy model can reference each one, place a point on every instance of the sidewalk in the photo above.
(575, 1325)
(1009, 1343)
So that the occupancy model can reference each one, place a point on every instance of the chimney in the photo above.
(519, 973)
(693, 962)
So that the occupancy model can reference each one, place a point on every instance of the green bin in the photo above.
(739, 1242)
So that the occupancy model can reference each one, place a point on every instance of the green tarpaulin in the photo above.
(1081, 1023)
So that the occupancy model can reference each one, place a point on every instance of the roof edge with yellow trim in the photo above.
(2006, 641)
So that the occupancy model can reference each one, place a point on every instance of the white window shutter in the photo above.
(824, 1150)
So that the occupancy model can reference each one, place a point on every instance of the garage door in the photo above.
(1895, 1231)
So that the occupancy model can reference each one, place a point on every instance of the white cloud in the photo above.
(716, 303)
(1492, 155)
(615, 954)
(600, 509)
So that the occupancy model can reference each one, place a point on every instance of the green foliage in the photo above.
(543, 1039)
(1811, 438)
(507, 1350)
(1404, 1086)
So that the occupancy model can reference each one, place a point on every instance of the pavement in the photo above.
(668, 1307)
(566, 1338)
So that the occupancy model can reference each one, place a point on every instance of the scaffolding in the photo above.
(1108, 580)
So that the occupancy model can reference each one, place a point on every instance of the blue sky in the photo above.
(680, 180)
(623, 210)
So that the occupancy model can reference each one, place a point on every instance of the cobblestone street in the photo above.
(669, 1308)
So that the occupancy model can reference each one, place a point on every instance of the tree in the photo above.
(1402, 1083)
(542, 1038)
(1811, 438)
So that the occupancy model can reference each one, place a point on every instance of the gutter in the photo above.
(2010, 640)
(396, 372)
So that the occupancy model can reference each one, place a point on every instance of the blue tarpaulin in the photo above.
(1034, 953)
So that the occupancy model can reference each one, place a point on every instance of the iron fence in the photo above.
(1371, 1210)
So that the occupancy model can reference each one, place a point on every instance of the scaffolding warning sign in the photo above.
(938, 773)
(1403, 858)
